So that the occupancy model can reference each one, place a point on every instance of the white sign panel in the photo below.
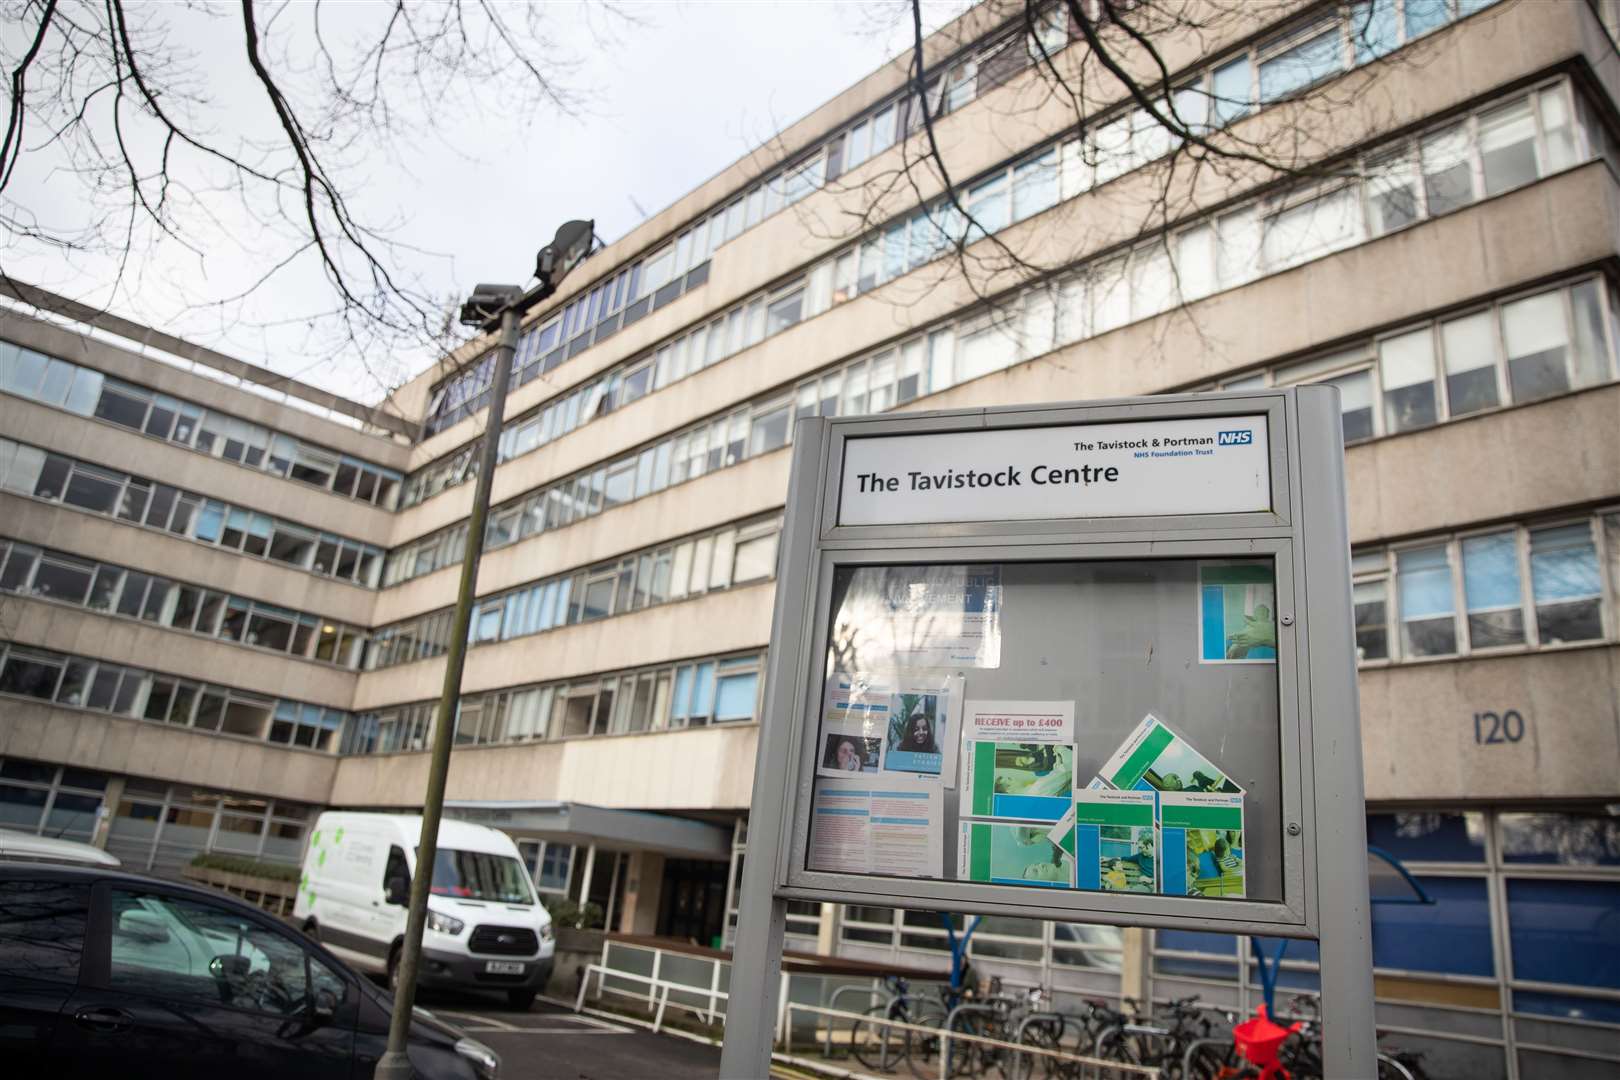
(1214, 465)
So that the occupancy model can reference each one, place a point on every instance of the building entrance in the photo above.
(692, 902)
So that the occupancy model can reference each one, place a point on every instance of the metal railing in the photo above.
(657, 996)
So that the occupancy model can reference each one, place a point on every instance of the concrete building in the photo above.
(227, 596)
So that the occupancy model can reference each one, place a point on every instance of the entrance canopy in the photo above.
(582, 824)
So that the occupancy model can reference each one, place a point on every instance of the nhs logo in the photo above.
(1235, 438)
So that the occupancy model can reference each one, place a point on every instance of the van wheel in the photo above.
(312, 929)
(393, 970)
(520, 999)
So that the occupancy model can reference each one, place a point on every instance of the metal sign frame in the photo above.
(1324, 886)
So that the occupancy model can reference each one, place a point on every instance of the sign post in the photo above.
(1090, 663)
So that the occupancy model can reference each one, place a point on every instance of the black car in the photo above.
(104, 973)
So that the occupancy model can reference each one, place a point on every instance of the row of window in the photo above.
(87, 683)
(1266, 236)
(544, 346)
(1500, 588)
(1523, 901)
(28, 470)
(750, 321)
(110, 589)
(695, 693)
(713, 445)
(88, 392)
(746, 324)
(1211, 98)
(1513, 351)
(675, 571)
(55, 800)
(550, 863)
(633, 291)
(1485, 153)
(159, 826)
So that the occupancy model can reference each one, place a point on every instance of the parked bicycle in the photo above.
(1072, 1034)
(1288, 1047)
(882, 1047)
(1161, 1041)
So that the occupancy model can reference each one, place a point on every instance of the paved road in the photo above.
(548, 1043)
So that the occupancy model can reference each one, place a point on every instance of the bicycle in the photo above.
(882, 1047)
(1004, 1021)
(1051, 1034)
(1298, 1052)
(1162, 1041)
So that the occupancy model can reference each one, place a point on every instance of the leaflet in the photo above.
(1155, 758)
(1115, 842)
(1028, 781)
(878, 825)
(1019, 721)
(1237, 613)
(889, 724)
(1202, 839)
(1008, 854)
(903, 617)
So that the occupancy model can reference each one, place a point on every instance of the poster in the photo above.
(1202, 839)
(1237, 613)
(1008, 854)
(1114, 841)
(879, 723)
(1153, 757)
(1020, 721)
(880, 825)
(1029, 781)
(905, 617)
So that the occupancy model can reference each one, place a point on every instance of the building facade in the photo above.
(225, 598)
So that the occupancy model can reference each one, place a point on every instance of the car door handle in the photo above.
(104, 1019)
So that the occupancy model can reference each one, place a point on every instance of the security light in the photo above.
(486, 302)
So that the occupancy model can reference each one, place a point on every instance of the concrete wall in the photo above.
(1419, 740)
(89, 740)
(202, 390)
(1438, 74)
(109, 540)
(115, 447)
(699, 768)
(174, 652)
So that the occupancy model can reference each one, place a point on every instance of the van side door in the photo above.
(391, 917)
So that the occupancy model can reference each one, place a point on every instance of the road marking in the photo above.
(541, 1031)
(591, 1021)
(491, 1022)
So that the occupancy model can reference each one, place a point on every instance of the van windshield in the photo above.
(478, 875)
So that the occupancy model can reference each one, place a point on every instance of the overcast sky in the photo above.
(678, 92)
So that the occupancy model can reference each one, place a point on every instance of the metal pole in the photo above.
(756, 986)
(1349, 1038)
(394, 1064)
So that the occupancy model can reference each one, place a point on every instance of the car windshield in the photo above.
(478, 875)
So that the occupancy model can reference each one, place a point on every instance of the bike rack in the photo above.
(873, 992)
(1115, 1069)
(950, 1026)
(1039, 1018)
(1186, 1058)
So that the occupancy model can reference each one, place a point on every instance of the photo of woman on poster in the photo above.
(916, 734)
(917, 727)
(851, 753)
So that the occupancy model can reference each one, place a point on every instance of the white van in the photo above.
(485, 926)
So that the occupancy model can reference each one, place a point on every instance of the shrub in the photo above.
(569, 915)
(242, 864)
